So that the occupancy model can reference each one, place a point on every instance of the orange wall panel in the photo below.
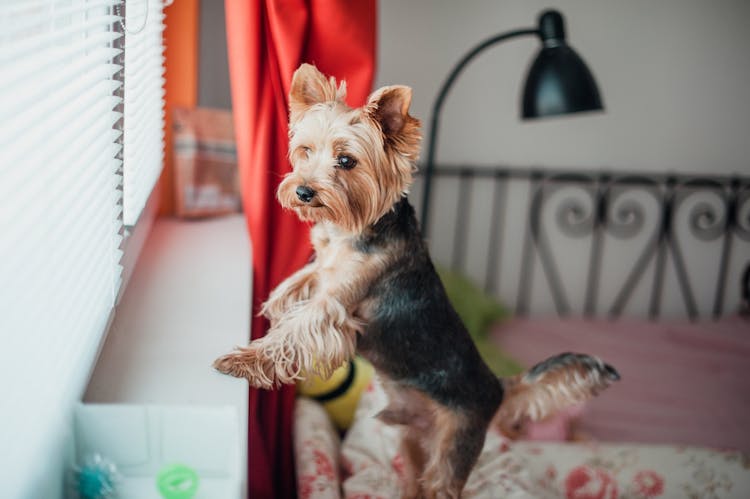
(181, 54)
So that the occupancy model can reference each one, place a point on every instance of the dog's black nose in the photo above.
(305, 194)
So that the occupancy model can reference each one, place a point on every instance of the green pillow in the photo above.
(479, 311)
(498, 361)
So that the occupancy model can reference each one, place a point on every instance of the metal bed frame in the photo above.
(601, 207)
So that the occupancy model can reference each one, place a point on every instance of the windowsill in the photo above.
(135, 237)
(187, 302)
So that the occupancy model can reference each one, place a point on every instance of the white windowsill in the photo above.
(186, 302)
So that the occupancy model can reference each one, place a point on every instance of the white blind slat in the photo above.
(56, 128)
(31, 7)
(62, 168)
(61, 14)
(51, 38)
(143, 135)
(31, 86)
(25, 233)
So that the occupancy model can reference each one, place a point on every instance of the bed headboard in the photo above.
(594, 243)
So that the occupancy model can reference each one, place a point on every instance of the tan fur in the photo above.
(439, 478)
(414, 411)
(313, 325)
(316, 313)
(536, 398)
(380, 135)
(435, 461)
(413, 454)
(310, 87)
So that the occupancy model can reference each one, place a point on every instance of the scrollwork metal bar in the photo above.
(597, 243)
(494, 250)
(661, 249)
(527, 269)
(731, 207)
(541, 242)
(613, 212)
(681, 272)
(463, 215)
(679, 261)
(641, 264)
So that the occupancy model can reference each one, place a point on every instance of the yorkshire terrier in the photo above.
(373, 289)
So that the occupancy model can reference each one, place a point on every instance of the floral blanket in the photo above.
(366, 464)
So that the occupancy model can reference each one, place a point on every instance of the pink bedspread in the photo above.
(681, 383)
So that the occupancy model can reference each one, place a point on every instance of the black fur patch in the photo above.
(414, 335)
(567, 359)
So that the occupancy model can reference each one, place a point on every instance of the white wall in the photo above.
(673, 76)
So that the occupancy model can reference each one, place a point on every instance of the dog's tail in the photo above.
(550, 386)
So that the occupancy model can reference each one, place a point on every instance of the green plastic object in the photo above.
(177, 481)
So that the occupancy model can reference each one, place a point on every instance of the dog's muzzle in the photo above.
(305, 194)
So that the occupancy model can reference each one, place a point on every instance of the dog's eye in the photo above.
(346, 162)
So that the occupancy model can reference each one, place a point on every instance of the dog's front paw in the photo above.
(246, 363)
(253, 364)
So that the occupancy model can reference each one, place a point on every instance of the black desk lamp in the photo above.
(558, 82)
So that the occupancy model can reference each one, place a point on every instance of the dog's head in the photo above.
(350, 166)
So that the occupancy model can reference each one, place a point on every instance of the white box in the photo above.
(142, 439)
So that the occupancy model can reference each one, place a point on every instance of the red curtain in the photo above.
(267, 41)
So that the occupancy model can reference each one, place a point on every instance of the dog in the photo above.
(372, 289)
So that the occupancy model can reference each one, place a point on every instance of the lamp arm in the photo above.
(438, 105)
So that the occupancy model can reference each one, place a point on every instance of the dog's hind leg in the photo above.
(414, 458)
(453, 448)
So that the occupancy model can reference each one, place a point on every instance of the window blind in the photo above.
(60, 216)
(144, 103)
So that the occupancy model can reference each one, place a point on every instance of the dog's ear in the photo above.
(310, 87)
(389, 106)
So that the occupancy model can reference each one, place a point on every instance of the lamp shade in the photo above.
(558, 82)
